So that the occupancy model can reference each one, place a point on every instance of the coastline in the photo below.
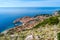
(36, 26)
(31, 11)
(5, 31)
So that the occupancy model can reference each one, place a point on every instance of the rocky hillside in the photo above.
(48, 29)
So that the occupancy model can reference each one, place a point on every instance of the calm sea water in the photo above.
(9, 14)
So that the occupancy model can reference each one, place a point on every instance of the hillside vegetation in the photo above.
(45, 30)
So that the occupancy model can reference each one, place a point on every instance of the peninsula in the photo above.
(41, 27)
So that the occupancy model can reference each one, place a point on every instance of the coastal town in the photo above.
(29, 29)
(29, 22)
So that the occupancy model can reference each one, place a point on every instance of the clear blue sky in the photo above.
(29, 3)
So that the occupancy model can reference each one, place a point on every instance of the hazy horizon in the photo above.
(29, 3)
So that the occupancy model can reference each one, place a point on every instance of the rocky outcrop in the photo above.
(29, 37)
(32, 37)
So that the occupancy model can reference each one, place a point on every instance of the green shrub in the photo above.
(58, 12)
(50, 21)
(53, 20)
(1, 35)
(58, 36)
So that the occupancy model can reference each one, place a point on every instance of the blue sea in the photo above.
(9, 14)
